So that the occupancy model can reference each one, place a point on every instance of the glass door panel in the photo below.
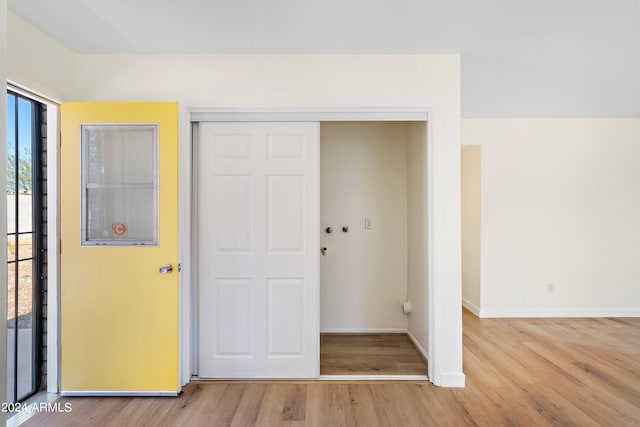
(23, 234)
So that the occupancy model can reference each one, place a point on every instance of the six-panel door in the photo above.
(257, 222)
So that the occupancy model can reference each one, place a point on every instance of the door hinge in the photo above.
(179, 267)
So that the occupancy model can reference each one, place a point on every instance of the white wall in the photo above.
(38, 62)
(417, 262)
(363, 173)
(560, 206)
(298, 81)
(470, 165)
(272, 80)
(3, 212)
(302, 81)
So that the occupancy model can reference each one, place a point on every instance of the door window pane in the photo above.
(11, 295)
(25, 142)
(120, 156)
(25, 246)
(11, 331)
(11, 248)
(119, 173)
(121, 214)
(25, 328)
(19, 329)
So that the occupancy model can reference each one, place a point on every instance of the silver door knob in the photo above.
(166, 269)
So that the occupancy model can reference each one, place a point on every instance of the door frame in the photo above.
(53, 229)
(187, 328)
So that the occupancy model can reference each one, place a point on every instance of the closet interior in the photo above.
(373, 275)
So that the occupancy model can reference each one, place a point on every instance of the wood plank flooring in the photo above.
(369, 354)
(520, 372)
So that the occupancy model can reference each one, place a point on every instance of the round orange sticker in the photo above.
(119, 229)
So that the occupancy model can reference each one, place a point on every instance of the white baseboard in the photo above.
(419, 346)
(471, 307)
(118, 393)
(558, 312)
(363, 331)
(451, 380)
(373, 378)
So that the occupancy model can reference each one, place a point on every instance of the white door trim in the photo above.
(309, 114)
(53, 245)
(186, 330)
(185, 173)
(373, 378)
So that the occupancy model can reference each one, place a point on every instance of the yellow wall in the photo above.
(119, 316)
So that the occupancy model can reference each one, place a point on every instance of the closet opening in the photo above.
(373, 270)
(311, 248)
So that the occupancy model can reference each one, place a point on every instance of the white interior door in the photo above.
(257, 189)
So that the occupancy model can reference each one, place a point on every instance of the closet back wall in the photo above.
(363, 174)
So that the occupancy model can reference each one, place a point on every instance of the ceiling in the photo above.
(543, 58)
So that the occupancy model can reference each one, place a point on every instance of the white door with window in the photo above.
(257, 221)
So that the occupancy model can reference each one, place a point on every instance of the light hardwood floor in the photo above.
(369, 354)
(520, 372)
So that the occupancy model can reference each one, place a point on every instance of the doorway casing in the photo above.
(187, 323)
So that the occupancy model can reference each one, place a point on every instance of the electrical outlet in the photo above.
(368, 223)
(550, 287)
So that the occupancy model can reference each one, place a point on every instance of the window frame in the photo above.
(86, 186)
(38, 248)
